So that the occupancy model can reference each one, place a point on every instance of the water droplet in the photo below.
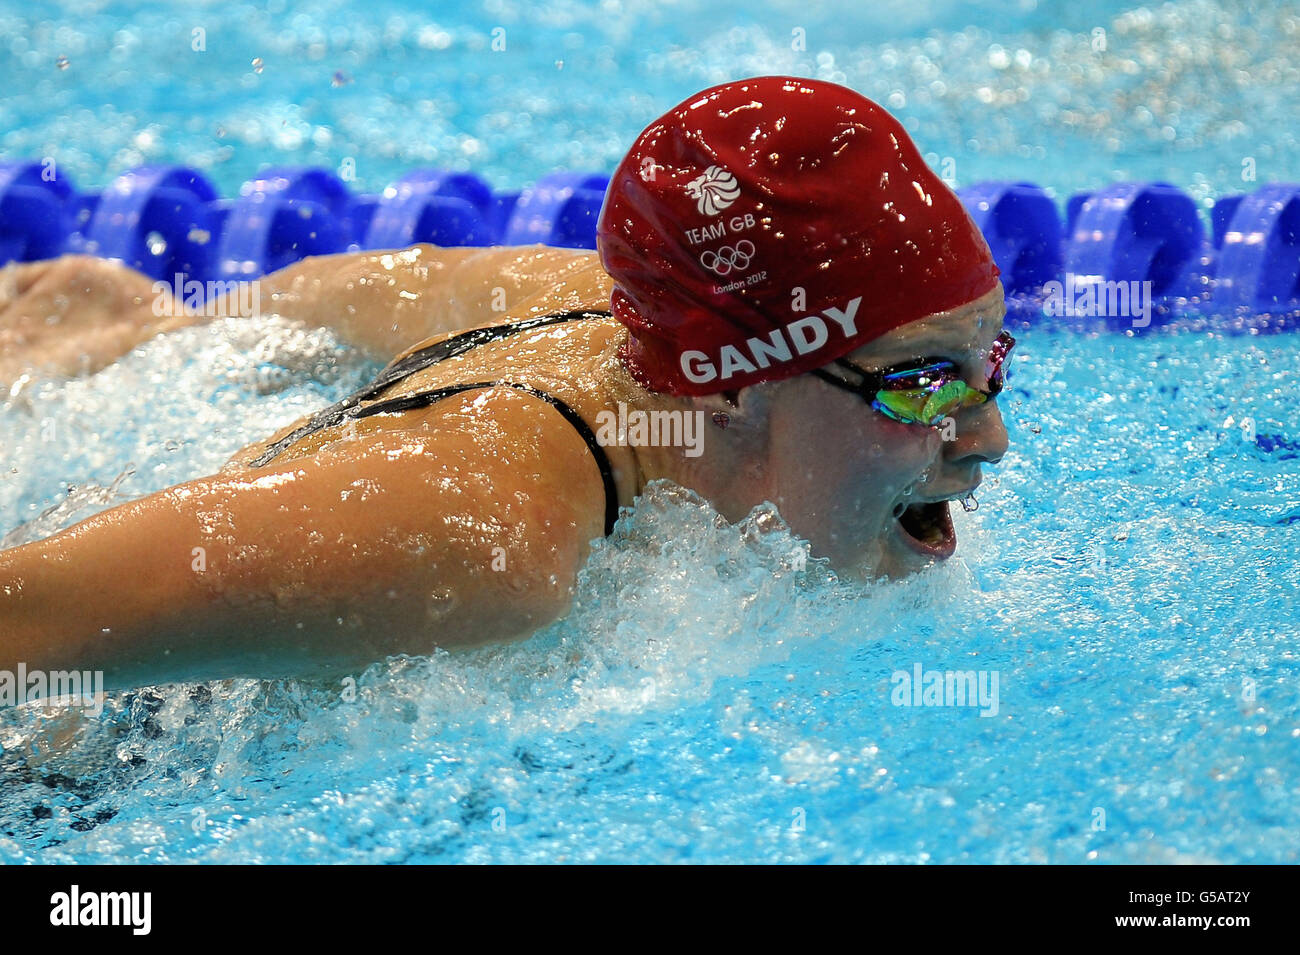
(440, 604)
(156, 242)
(62, 63)
(172, 446)
(257, 64)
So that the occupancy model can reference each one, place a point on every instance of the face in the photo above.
(873, 494)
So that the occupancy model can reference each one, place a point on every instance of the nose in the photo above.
(981, 436)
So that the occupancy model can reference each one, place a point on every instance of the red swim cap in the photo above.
(768, 226)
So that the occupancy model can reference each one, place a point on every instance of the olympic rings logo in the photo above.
(728, 259)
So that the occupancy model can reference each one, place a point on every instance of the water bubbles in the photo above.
(258, 65)
(340, 79)
(431, 38)
(62, 62)
(156, 243)
(202, 380)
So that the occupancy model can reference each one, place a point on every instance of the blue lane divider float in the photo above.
(433, 205)
(560, 210)
(33, 211)
(1259, 252)
(1021, 225)
(159, 220)
(1244, 271)
(1144, 233)
(280, 217)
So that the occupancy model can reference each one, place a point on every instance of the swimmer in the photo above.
(773, 256)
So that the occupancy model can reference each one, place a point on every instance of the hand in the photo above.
(74, 315)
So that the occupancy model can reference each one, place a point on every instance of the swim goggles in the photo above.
(926, 390)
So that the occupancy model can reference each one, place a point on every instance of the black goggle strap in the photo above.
(933, 368)
(860, 390)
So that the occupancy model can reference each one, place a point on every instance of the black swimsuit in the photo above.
(350, 407)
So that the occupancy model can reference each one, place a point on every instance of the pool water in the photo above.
(1069, 96)
(716, 694)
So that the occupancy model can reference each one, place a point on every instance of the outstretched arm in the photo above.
(444, 531)
(76, 314)
(386, 302)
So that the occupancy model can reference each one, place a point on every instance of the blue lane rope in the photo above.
(1146, 239)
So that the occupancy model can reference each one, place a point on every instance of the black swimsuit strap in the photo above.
(350, 407)
(465, 341)
(409, 365)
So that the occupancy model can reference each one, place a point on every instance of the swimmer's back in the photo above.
(559, 358)
(555, 348)
(390, 302)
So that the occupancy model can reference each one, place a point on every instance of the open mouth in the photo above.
(927, 528)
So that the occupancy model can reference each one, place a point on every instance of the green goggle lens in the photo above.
(924, 405)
